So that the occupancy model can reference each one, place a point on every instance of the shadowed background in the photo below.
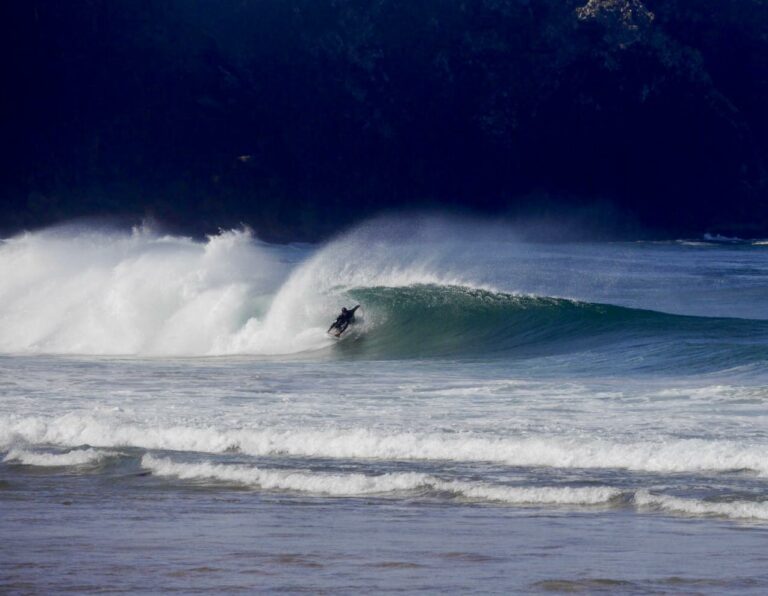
(301, 116)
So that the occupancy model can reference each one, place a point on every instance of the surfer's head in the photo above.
(344, 310)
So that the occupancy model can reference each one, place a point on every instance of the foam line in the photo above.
(668, 455)
(393, 484)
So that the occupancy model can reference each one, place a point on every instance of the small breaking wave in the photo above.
(670, 455)
(328, 484)
(76, 457)
(400, 484)
(352, 485)
(735, 509)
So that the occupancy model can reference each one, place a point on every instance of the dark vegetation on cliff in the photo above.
(296, 116)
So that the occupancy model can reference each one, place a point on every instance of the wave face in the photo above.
(428, 320)
(424, 293)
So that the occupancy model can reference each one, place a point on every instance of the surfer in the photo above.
(343, 321)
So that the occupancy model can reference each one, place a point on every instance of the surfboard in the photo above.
(336, 332)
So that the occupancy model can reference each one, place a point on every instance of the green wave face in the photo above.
(456, 321)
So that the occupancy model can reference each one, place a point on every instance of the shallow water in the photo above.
(503, 417)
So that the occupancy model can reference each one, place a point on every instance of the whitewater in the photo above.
(505, 413)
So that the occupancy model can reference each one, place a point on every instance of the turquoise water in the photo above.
(505, 416)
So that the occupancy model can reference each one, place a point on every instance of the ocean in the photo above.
(505, 416)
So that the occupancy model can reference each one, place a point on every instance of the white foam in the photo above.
(539, 495)
(328, 484)
(350, 485)
(87, 292)
(362, 484)
(311, 296)
(668, 455)
(140, 293)
(697, 507)
(76, 457)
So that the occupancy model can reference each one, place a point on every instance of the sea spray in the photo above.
(101, 292)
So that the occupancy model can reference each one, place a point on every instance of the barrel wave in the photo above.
(78, 291)
(428, 320)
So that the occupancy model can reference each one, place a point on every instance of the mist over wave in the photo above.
(81, 291)
(98, 292)
(74, 290)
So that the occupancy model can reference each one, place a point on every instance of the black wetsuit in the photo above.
(344, 319)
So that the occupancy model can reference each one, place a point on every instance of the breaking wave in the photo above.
(733, 509)
(659, 456)
(140, 293)
(351, 485)
(411, 483)
(76, 457)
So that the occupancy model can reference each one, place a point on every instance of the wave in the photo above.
(352, 485)
(85, 292)
(406, 484)
(327, 484)
(76, 457)
(410, 484)
(733, 509)
(669, 455)
(429, 320)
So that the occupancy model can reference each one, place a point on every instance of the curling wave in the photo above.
(85, 292)
(430, 319)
